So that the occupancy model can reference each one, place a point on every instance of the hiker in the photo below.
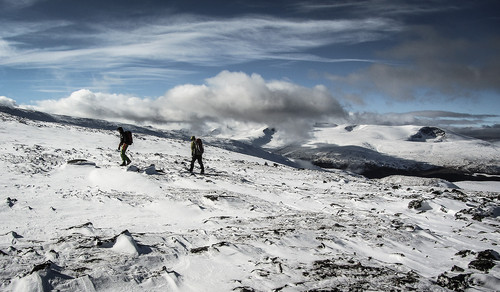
(196, 153)
(125, 141)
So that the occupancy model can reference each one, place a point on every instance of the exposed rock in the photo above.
(485, 260)
(456, 283)
(428, 133)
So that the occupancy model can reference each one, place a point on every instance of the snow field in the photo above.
(391, 147)
(247, 225)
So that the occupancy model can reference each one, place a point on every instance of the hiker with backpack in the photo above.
(196, 153)
(125, 141)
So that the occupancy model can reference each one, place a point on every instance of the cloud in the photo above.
(488, 133)
(431, 66)
(423, 118)
(5, 48)
(8, 102)
(103, 54)
(375, 7)
(88, 49)
(85, 103)
(16, 4)
(229, 96)
(182, 38)
(236, 99)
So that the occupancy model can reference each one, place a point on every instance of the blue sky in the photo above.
(379, 61)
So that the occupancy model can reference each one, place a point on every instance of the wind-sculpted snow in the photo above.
(73, 220)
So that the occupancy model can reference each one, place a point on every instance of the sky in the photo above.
(287, 64)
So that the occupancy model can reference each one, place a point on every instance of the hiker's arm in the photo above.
(121, 142)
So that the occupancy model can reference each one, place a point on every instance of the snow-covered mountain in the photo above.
(73, 220)
(378, 151)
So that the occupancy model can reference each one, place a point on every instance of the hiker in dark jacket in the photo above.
(196, 153)
(125, 141)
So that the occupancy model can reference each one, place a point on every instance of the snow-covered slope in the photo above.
(411, 148)
(73, 220)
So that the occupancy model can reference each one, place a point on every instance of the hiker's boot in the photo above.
(123, 163)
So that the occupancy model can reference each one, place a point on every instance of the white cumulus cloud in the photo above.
(8, 102)
(229, 96)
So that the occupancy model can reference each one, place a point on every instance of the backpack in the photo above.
(198, 147)
(127, 138)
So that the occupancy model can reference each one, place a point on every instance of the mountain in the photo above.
(73, 220)
(379, 151)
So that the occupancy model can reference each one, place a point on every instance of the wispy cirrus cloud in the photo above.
(16, 4)
(115, 52)
(375, 7)
(204, 42)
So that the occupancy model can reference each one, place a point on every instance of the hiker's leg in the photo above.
(126, 157)
(201, 164)
(123, 155)
(193, 159)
